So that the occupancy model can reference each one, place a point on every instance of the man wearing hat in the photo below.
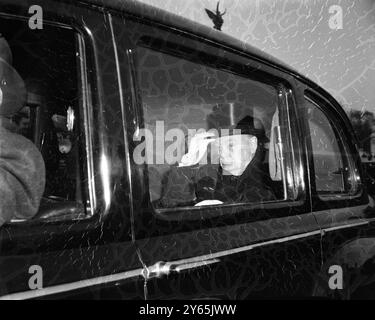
(22, 171)
(238, 178)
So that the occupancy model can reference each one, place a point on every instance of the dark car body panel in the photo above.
(68, 250)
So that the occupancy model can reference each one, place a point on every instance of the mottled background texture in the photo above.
(298, 32)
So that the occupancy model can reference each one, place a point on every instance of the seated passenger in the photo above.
(22, 172)
(62, 156)
(239, 177)
(22, 120)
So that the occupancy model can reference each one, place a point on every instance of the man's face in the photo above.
(24, 124)
(65, 143)
(236, 152)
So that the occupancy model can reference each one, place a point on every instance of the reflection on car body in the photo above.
(134, 111)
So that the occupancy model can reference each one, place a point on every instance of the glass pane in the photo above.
(207, 134)
(332, 163)
(44, 119)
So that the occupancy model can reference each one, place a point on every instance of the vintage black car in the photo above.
(112, 85)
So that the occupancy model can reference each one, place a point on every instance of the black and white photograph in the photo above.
(187, 155)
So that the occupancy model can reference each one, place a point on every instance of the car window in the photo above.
(335, 171)
(49, 119)
(210, 136)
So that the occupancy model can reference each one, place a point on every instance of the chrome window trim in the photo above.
(88, 126)
(295, 164)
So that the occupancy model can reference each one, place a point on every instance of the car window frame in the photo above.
(207, 212)
(89, 203)
(110, 220)
(280, 91)
(336, 119)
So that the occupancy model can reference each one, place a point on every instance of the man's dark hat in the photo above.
(221, 120)
(13, 90)
(252, 126)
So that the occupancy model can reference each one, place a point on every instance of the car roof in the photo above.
(171, 20)
(165, 18)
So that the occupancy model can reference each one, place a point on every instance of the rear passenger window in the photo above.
(48, 62)
(335, 170)
(210, 136)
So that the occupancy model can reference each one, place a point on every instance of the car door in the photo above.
(79, 243)
(341, 204)
(172, 82)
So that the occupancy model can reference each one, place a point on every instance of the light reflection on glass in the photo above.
(105, 174)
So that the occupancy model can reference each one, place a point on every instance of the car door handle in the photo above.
(162, 268)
